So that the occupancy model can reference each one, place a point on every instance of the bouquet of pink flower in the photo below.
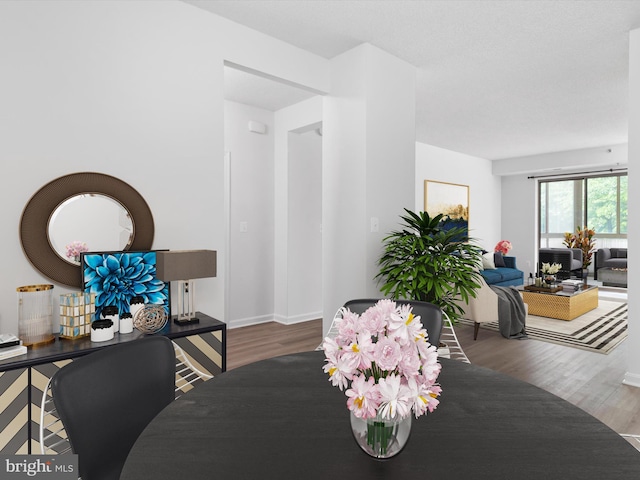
(384, 361)
(75, 248)
(503, 247)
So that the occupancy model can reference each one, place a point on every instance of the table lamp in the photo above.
(185, 266)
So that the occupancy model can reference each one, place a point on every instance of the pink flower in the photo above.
(394, 398)
(374, 320)
(409, 361)
(430, 366)
(503, 247)
(423, 397)
(75, 248)
(341, 371)
(404, 325)
(387, 354)
(331, 349)
(347, 326)
(361, 351)
(383, 361)
(363, 397)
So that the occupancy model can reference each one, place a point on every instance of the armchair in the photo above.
(609, 258)
(569, 258)
(483, 308)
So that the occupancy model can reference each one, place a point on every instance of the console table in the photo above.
(23, 378)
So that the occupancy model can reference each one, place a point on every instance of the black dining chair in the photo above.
(107, 398)
(430, 314)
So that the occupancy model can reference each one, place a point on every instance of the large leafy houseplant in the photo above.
(430, 262)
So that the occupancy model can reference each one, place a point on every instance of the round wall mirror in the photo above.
(108, 227)
(82, 212)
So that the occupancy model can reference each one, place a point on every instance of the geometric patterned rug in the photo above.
(599, 330)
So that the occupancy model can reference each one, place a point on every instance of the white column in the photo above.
(632, 375)
(368, 168)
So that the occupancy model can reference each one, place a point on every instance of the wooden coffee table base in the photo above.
(562, 307)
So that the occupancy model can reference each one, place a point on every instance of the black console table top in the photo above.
(62, 348)
(281, 418)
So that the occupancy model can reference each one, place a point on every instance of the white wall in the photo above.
(305, 227)
(607, 156)
(519, 213)
(434, 163)
(632, 375)
(251, 236)
(99, 86)
(369, 158)
(298, 271)
(135, 90)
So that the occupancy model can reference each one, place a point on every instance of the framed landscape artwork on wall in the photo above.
(449, 199)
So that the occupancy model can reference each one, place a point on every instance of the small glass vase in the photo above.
(381, 438)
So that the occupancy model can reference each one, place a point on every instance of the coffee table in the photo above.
(561, 305)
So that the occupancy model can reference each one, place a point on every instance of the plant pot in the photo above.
(381, 438)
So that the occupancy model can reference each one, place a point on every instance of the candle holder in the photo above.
(77, 311)
(35, 313)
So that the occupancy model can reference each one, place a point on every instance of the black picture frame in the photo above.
(119, 276)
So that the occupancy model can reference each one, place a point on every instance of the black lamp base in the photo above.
(186, 321)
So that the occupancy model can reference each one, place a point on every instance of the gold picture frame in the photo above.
(449, 199)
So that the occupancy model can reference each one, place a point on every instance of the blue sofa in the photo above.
(504, 276)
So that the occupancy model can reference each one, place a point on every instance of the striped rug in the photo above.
(599, 330)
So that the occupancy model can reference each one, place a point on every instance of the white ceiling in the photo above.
(496, 79)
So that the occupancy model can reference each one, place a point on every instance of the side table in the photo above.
(613, 277)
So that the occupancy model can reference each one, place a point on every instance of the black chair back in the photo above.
(107, 398)
(430, 314)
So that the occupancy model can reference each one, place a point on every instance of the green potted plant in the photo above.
(430, 262)
(582, 239)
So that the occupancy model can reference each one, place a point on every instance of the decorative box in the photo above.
(77, 311)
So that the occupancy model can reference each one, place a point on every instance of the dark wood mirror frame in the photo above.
(34, 222)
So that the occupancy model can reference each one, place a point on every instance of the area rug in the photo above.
(599, 330)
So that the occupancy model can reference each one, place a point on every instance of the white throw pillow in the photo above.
(487, 262)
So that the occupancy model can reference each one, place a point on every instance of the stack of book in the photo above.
(11, 346)
(571, 286)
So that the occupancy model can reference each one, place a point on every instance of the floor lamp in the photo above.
(184, 266)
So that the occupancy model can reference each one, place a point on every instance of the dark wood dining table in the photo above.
(281, 418)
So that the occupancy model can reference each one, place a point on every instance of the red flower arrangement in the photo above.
(503, 247)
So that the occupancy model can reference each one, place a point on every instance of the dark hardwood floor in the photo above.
(591, 381)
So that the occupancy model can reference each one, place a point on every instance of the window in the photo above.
(597, 202)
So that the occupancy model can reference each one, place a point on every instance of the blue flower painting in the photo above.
(117, 277)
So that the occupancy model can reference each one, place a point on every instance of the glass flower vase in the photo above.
(381, 437)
